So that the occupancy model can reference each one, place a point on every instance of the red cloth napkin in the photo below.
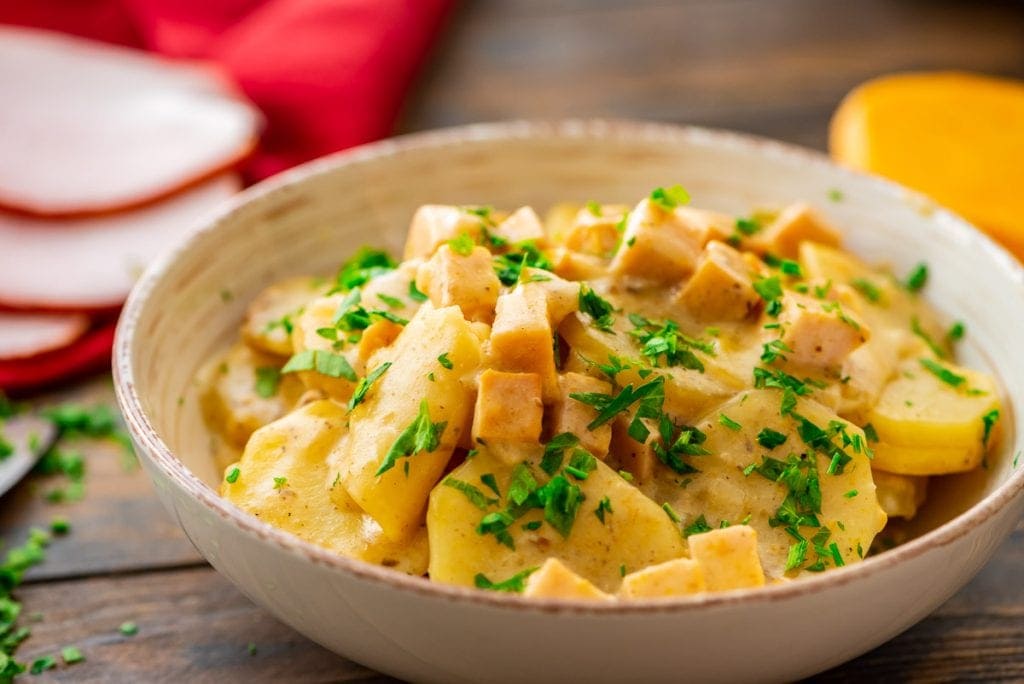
(328, 74)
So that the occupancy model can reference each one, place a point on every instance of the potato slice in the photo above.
(396, 496)
(635, 533)
(720, 492)
(920, 410)
(231, 402)
(387, 293)
(282, 480)
(688, 393)
(927, 460)
(274, 309)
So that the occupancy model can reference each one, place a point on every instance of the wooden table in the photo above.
(772, 67)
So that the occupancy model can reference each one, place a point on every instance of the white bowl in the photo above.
(188, 306)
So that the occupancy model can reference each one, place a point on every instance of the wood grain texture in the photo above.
(771, 67)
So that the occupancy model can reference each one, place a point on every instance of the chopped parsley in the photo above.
(988, 421)
(956, 332)
(490, 482)
(770, 439)
(747, 226)
(522, 484)
(445, 361)
(676, 442)
(850, 494)
(363, 267)
(769, 288)
(942, 373)
(776, 349)
(867, 288)
(71, 655)
(393, 302)
(698, 526)
(599, 309)
(415, 294)
(608, 406)
(419, 436)
(280, 482)
(365, 383)
(561, 500)
(870, 433)
(594, 208)
(581, 464)
(267, 380)
(509, 266)
(665, 343)
(604, 506)
(917, 278)
(128, 629)
(670, 198)
(514, 584)
(670, 512)
(554, 451)
(232, 476)
(475, 496)
(726, 421)
(323, 362)
(791, 268)
(462, 245)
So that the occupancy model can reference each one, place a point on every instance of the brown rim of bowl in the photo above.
(161, 457)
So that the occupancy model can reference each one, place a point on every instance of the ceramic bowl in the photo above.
(188, 306)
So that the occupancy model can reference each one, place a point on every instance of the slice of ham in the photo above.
(87, 127)
(90, 264)
(89, 353)
(23, 335)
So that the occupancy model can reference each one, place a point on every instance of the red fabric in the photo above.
(90, 353)
(328, 74)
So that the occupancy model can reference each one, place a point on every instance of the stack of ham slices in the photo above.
(108, 156)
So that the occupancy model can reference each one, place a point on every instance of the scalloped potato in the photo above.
(621, 403)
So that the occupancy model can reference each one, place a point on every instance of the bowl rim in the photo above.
(173, 469)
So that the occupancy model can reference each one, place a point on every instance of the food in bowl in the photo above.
(614, 403)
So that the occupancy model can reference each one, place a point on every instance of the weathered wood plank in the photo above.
(193, 627)
(771, 67)
(119, 526)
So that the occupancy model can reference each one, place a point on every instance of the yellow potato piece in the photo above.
(264, 326)
(555, 580)
(927, 460)
(721, 492)
(282, 480)
(397, 497)
(688, 393)
(917, 409)
(958, 137)
(728, 558)
(636, 533)
(679, 577)
(231, 403)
